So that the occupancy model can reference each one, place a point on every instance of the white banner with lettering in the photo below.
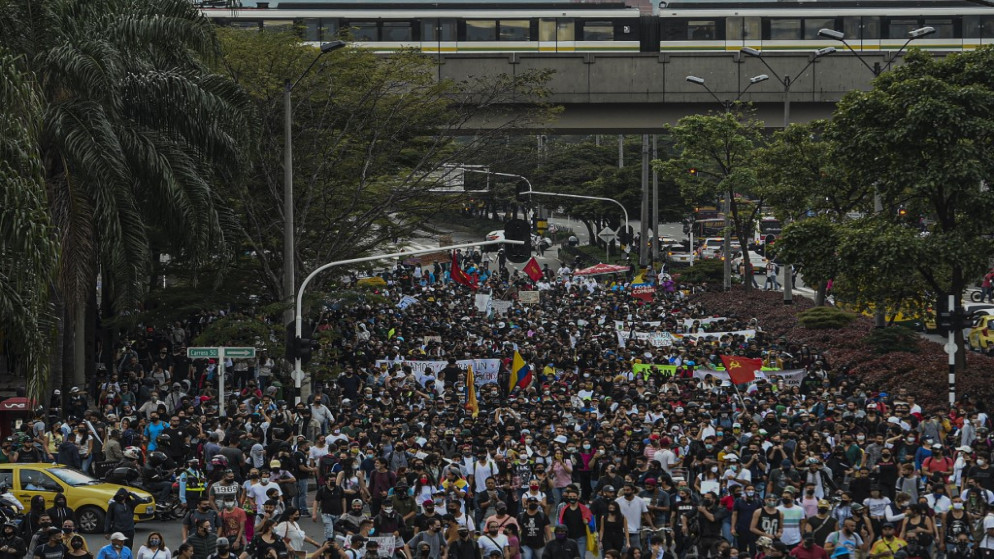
(484, 370)
(687, 322)
(666, 339)
(790, 378)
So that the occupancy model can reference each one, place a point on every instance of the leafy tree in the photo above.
(133, 133)
(923, 136)
(813, 245)
(721, 148)
(371, 135)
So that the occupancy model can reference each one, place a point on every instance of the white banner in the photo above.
(666, 339)
(406, 301)
(482, 302)
(500, 307)
(687, 322)
(790, 378)
(529, 297)
(484, 370)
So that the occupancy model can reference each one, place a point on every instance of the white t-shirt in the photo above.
(490, 543)
(258, 492)
(632, 511)
(291, 530)
(987, 542)
(146, 553)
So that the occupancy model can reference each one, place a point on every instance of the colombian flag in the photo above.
(521, 373)
(471, 403)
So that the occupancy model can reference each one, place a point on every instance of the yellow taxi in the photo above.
(981, 336)
(86, 495)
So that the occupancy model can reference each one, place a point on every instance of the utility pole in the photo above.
(655, 201)
(644, 225)
(621, 151)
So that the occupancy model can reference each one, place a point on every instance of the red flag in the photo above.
(460, 276)
(741, 369)
(532, 269)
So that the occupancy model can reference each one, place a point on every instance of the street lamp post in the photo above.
(289, 262)
(878, 318)
(726, 247)
(786, 82)
(841, 37)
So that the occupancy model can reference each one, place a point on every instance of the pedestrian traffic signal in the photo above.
(519, 191)
(518, 230)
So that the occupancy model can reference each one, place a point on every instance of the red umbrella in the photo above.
(599, 269)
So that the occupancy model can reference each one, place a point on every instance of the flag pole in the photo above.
(737, 393)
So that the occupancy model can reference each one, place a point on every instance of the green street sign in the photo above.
(243, 352)
(202, 352)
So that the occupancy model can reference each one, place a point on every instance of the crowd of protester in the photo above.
(585, 459)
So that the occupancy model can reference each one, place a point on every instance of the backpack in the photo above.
(325, 465)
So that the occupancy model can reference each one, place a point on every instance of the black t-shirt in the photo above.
(533, 529)
(573, 520)
(50, 552)
(259, 547)
(330, 500)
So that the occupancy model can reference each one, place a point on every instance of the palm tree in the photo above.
(135, 131)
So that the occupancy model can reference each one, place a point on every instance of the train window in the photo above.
(701, 29)
(898, 28)
(733, 28)
(246, 25)
(752, 28)
(278, 25)
(785, 29)
(547, 30)
(987, 26)
(943, 27)
(514, 29)
(598, 31)
(438, 30)
(364, 30)
(397, 31)
(565, 30)
(812, 25)
(320, 29)
(971, 27)
(481, 30)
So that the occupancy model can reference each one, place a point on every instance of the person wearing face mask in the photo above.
(388, 521)
(12, 546)
(636, 512)
(233, 523)
(844, 543)
(956, 522)
(225, 490)
(792, 516)
(821, 524)
(462, 546)
(561, 547)
(223, 550)
(350, 522)
(809, 549)
(195, 516)
(116, 549)
(430, 539)
(60, 512)
(154, 548)
(69, 532)
(120, 515)
(329, 503)
(203, 540)
(259, 491)
(743, 510)
(535, 529)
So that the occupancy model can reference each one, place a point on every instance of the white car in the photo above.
(498, 235)
(757, 260)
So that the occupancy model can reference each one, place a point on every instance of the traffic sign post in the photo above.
(607, 235)
(220, 353)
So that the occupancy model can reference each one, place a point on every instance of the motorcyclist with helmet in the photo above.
(157, 474)
(127, 471)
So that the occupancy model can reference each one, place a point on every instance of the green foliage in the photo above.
(370, 136)
(243, 330)
(711, 272)
(812, 244)
(722, 149)
(893, 338)
(825, 318)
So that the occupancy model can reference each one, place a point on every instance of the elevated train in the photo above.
(673, 26)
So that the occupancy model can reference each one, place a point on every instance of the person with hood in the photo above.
(60, 512)
(12, 546)
(32, 519)
(120, 517)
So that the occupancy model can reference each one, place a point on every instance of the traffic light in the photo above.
(299, 347)
(518, 230)
(625, 235)
(519, 191)
(693, 171)
(902, 212)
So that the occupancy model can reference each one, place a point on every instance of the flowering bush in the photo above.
(921, 367)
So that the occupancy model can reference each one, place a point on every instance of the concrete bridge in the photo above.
(637, 93)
